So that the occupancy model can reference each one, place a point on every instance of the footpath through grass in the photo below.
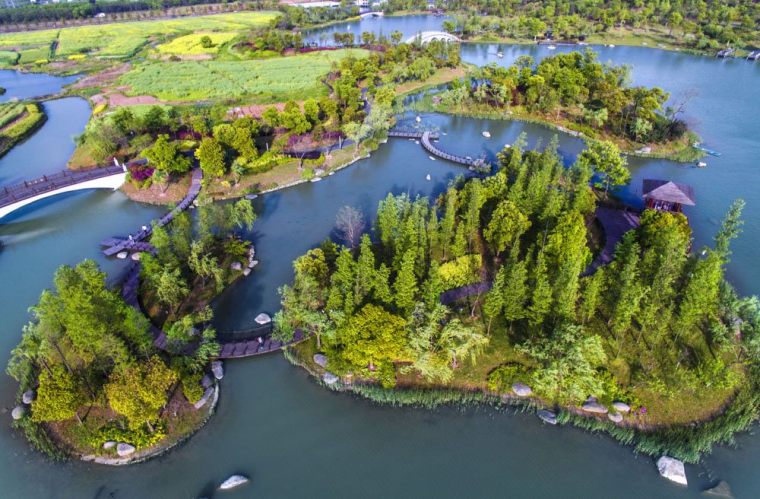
(261, 81)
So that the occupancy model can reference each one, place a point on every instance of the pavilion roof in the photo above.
(665, 190)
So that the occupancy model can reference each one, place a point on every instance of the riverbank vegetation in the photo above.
(694, 25)
(491, 286)
(575, 92)
(18, 120)
(90, 365)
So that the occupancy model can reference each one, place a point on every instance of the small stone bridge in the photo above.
(17, 196)
(425, 139)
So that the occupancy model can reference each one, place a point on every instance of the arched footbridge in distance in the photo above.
(17, 196)
(427, 36)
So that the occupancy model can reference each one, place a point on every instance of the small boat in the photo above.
(499, 54)
(552, 47)
(417, 142)
(611, 46)
(431, 159)
(701, 164)
(427, 177)
(417, 119)
(487, 134)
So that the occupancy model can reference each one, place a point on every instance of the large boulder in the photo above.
(234, 481)
(521, 389)
(547, 416)
(236, 266)
(18, 412)
(124, 450)
(621, 407)
(246, 271)
(615, 417)
(594, 407)
(720, 489)
(122, 255)
(217, 369)
(28, 397)
(109, 445)
(672, 469)
(136, 256)
(330, 378)
(320, 359)
(262, 319)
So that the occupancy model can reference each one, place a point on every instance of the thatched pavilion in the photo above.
(665, 195)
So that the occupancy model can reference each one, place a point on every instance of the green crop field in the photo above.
(123, 39)
(268, 80)
(191, 44)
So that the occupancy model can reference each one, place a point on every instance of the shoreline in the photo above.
(651, 440)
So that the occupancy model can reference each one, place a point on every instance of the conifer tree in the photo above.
(405, 286)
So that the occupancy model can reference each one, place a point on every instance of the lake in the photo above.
(295, 439)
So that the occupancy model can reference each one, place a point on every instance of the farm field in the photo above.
(191, 44)
(262, 81)
(123, 39)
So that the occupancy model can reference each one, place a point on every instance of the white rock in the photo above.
(621, 407)
(672, 469)
(251, 196)
(236, 266)
(246, 271)
(595, 407)
(109, 445)
(253, 264)
(262, 319)
(18, 412)
(217, 369)
(316, 179)
(615, 417)
(28, 397)
(205, 398)
(521, 389)
(136, 256)
(124, 450)
(320, 359)
(122, 255)
(234, 481)
(330, 378)
(547, 416)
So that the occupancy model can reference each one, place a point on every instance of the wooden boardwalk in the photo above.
(615, 224)
(134, 242)
(425, 139)
(47, 183)
(231, 348)
(402, 134)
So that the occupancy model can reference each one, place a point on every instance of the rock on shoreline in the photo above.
(672, 469)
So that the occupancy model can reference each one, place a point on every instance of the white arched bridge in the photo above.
(30, 191)
(427, 36)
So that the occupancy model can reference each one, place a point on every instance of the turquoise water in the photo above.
(297, 440)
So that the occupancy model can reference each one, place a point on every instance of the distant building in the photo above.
(665, 195)
(314, 5)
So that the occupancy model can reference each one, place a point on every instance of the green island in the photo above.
(104, 388)
(489, 293)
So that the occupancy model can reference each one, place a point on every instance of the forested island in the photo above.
(487, 293)
(91, 366)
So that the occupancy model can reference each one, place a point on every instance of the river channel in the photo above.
(295, 439)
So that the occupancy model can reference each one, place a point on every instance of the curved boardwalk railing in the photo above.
(134, 242)
(48, 183)
(403, 134)
(233, 345)
(429, 147)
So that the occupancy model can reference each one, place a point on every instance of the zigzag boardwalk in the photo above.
(425, 138)
(133, 242)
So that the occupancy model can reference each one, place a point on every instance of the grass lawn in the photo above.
(191, 44)
(261, 81)
(123, 39)
(443, 75)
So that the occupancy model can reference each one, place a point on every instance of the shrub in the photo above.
(460, 272)
(191, 387)
(503, 377)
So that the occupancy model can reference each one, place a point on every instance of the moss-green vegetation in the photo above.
(574, 93)
(270, 80)
(197, 43)
(121, 39)
(18, 121)
(654, 329)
